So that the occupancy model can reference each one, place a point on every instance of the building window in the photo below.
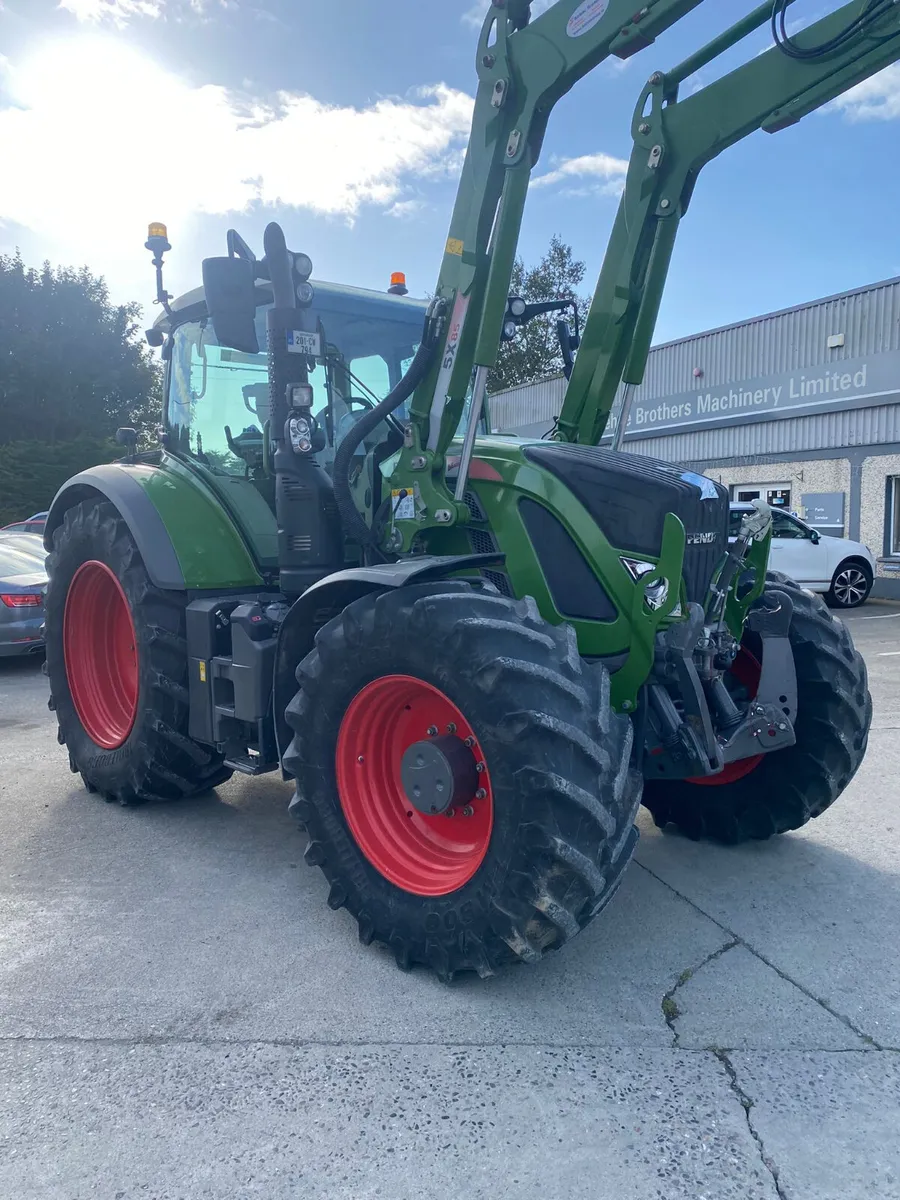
(777, 495)
(894, 515)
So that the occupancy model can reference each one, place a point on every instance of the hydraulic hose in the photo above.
(351, 520)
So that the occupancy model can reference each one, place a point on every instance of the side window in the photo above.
(784, 527)
(373, 374)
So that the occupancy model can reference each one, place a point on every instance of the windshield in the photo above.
(218, 401)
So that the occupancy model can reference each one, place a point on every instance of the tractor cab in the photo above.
(217, 413)
(217, 410)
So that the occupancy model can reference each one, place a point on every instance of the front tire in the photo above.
(850, 586)
(789, 787)
(117, 661)
(551, 822)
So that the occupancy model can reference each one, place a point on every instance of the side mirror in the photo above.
(815, 537)
(231, 302)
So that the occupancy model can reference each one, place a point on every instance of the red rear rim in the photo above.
(746, 670)
(423, 854)
(101, 656)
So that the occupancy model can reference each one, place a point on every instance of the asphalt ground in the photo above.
(181, 1015)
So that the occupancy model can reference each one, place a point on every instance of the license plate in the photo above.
(300, 342)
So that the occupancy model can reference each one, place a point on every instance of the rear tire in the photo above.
(788, 787)
(557, 757)
(148, 753)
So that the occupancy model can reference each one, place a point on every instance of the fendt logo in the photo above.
(702, 539)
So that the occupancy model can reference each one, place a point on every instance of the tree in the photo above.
(72, 363)
(535, 352)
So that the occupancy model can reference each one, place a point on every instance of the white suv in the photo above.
(842, 569)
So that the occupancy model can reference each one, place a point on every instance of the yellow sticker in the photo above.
(455, 246)
(404, 505)
(203, 672)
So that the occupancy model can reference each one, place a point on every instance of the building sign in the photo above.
(824, 510)
(871, 380)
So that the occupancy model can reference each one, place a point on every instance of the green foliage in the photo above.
(73, 369)
(535, 353)
(32, 472)
(72, 363)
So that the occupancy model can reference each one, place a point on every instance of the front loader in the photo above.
(472, 655)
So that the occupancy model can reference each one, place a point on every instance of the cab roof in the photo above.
(338, 297)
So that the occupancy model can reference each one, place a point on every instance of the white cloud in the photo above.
(475, 14)
(875, 99)
(119, 12)
(608, 171)
(106, 140)
(405, 208)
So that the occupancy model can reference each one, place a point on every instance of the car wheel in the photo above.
(850, 586)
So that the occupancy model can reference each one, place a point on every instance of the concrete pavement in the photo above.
(181, 1015)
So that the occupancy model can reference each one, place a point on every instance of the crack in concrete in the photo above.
(747, 1104)
(738, 940)
(670, 1008)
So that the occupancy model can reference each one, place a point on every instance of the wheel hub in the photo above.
(439, 774)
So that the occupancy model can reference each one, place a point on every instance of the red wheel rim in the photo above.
(100, 651)
(746, 669)
(423, 854)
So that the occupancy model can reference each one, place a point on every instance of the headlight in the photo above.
(658, 593)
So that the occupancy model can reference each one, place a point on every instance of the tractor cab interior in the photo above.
(218, 407)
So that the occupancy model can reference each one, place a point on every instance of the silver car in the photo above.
(23, 582)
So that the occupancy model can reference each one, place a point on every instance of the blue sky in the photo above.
(346, 120)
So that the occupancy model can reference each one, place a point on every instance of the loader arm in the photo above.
(673, 140)
(523, 68)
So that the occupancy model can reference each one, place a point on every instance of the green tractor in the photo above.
(473, 656)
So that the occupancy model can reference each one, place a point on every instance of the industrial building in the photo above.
(799, 407)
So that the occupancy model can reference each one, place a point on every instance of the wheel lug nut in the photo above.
(480, 794)
(432, 730)
(479, 767)
(451, 728)
(360, 759)
(470, 742)
(451, 812)
(468, 811)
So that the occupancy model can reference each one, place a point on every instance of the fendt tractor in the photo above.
(473, 655)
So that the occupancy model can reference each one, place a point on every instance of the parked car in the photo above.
(840, 569)
(27, 543)
(34, 524)
(23, 583)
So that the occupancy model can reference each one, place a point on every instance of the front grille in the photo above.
(473, 504)
(699, 564)
(482, 542)
(499, 580)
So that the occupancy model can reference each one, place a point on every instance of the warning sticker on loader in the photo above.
(586, 16)
(403, 505)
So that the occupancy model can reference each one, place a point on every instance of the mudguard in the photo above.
(183, 533)
(330, 595)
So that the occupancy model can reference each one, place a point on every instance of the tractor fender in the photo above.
(329, 596)
(122, 490)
